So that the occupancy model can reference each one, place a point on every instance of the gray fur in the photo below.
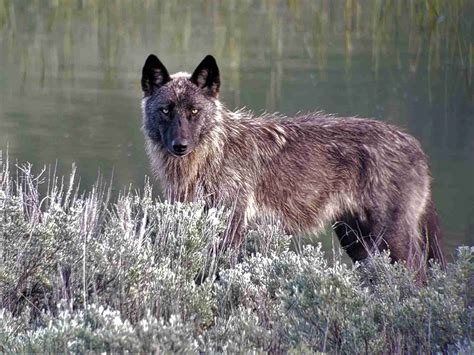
(367, 178)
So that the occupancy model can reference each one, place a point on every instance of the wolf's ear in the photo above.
(206, 76)
(154, 75)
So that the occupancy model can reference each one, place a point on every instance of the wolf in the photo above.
(368, 179)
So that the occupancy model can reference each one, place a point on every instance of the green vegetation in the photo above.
(416, 35)
(80, 274)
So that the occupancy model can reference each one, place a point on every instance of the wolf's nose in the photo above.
(180, 147)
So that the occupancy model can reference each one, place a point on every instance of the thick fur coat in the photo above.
(367, 178)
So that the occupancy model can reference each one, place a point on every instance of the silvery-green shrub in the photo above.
(79, 273)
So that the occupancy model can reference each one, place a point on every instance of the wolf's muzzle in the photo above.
(180, 147)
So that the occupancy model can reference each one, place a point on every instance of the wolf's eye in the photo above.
(165, 111)
(194, 111)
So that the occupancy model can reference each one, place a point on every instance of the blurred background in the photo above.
(70, 77)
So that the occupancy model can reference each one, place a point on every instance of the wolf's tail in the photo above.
(431, 233)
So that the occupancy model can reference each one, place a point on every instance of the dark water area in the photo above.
(70, 71)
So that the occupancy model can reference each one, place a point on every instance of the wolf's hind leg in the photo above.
(356, 238)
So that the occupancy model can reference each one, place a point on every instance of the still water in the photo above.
(70, 71)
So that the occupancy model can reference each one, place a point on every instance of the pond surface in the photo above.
(70, 71)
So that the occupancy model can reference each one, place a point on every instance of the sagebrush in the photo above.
(81, 274)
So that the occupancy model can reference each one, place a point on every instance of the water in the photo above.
(70, 70)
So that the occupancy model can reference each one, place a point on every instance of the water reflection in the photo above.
(69, 75)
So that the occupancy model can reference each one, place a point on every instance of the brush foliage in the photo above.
(80, 275)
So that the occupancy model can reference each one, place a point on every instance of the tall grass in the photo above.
(79, 273)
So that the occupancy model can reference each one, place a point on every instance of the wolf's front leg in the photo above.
(232, 241)
(236, 230)
(234, 236)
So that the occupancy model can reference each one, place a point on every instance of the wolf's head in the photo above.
(179, 109)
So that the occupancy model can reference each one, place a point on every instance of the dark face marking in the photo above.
(179, 111)
(176, 114)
